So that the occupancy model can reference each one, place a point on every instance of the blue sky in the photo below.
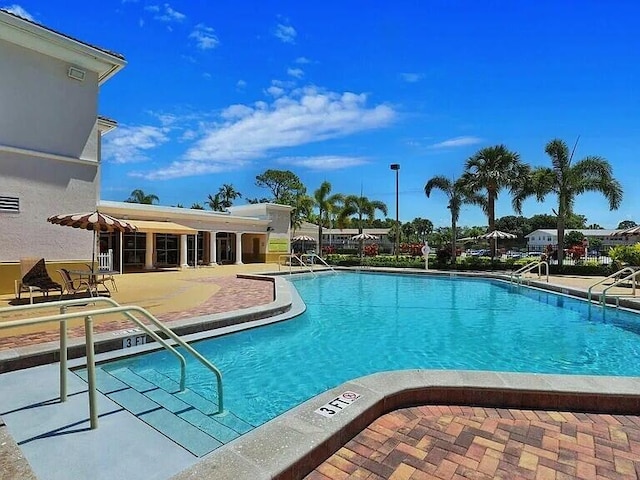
(218, 92)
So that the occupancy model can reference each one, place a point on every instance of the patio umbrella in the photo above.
(361, 237)
(304, 239)
(364, 236)
(497, 234)
(96, 221)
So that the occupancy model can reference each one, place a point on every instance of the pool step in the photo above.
(184, 417)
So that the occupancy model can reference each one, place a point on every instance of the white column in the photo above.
(213, 253)
(148, 254)
(238, 248)
(183, 252)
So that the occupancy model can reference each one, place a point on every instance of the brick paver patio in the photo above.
(449, 442)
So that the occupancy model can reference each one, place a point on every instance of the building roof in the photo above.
(584, 231)
(29, 34)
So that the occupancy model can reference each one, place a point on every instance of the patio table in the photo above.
(95, 278)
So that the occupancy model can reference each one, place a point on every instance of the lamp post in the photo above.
(396, 167)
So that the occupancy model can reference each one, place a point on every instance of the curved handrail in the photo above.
(63, 304)
(633, 277)
(315, 255)
(88, 314)
(613, 275)
(529, 267)
(291, 256)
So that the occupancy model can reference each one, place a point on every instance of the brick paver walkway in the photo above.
(234, 293)
(441, 442)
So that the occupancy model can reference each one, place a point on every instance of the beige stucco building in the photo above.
(50, 141)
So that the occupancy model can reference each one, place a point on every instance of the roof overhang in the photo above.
(149, 226)
(105, 125)
(27, 34)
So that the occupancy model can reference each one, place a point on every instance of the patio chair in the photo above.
(35, 278)
(69, 284)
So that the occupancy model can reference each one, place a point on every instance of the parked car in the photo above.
(534, 254)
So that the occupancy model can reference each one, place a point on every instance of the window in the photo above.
(9, 204)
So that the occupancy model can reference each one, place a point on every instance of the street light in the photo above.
(396, 167)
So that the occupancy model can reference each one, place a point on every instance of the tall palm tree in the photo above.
(326, 204)
(228, 194)
(215, 203)
(591, 174)
(360, 206)
(138, 196)
(489, 171)
(458, 194)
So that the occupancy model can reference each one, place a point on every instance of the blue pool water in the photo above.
(358, 324)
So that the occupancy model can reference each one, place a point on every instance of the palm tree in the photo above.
(326, 204)
(591, 174)
(138, 196)
(360, 206)
(215, 203)
(302, 209)
(458, 195)
(489, 171)
(228, 194)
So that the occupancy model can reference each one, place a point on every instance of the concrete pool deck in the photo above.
(294, 443)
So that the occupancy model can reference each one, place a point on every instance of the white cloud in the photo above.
(240, 84)
(165, 13)
(205, 37)
(286, 33)
(249, 132)
(457, 142)
(295, 72)
(323, 162)
(18, 10)
(302, 60)
(411, 77)
(128, 144)
(275, 91)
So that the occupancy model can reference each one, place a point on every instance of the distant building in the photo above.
(539, 239)
(341, 237)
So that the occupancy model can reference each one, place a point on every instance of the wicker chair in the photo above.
(70, 285)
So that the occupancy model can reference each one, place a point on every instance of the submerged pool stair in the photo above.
(184, 417)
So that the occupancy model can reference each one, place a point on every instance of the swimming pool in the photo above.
(361, 323)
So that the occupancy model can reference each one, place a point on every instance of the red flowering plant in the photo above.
(328, 249)
(414, 249)
(371, 250)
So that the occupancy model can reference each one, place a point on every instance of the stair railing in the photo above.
(314, 256)
(518, 274)
(88, 315)
(290, 257)
(632, 277)
(617, 274)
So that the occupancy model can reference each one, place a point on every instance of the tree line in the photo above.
(485, 174)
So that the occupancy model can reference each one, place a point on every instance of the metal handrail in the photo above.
(291, 256)
(613, 275)
(63, 317)
(633, 277)
(315, 255)
(63, 304)
(529, 267)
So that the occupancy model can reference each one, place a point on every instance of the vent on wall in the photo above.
(9, 204)
(76, 73)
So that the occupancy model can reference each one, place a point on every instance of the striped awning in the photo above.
(152, 226)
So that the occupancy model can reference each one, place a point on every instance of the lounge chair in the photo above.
(70, 286)
(35, 278)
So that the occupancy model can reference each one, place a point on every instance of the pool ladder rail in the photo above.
(300, 259)
(88, 315)
(619, 278)
(519, 274)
